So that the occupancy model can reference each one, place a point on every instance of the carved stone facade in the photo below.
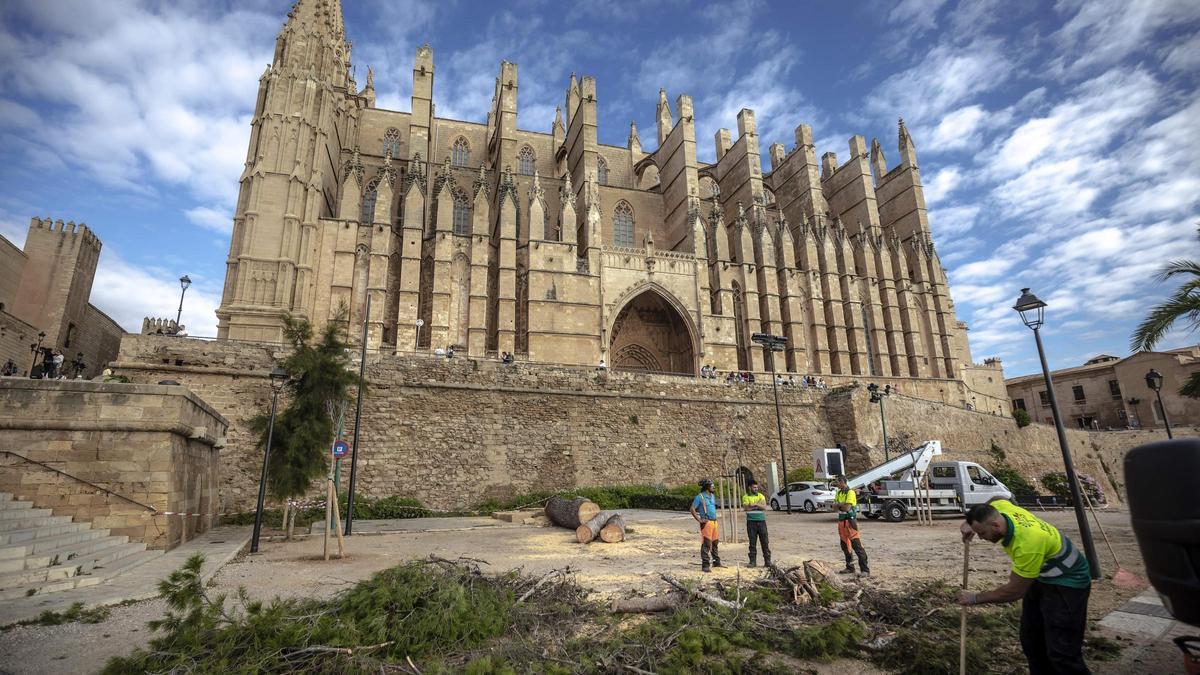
(559, 249)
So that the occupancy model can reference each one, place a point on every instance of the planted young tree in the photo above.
(320, 381)
(1183, 304)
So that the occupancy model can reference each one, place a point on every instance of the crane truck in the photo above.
(954, 486)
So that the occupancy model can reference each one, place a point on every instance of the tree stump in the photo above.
(570, 513)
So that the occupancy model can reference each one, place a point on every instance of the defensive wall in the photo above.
(452, 432)
(123, 456)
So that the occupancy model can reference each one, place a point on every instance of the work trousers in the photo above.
(848, 534)
(1053, 621)
(756, 531)
(709, 553)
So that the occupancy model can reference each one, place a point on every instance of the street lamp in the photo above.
(877, 396)
(1154, 380)
(279, 377)
(776, 343)
(420, 322)
(1032, 311)
(35, 348)
(184, 282)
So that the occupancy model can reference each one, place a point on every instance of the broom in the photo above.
(1123, 577)
(962, 629)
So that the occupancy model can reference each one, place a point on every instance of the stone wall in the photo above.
(455, 432)
(157, 446)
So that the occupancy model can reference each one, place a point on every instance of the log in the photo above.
(570, 512)
(614, 530)
(816, 570)
(654, 603)
(709, 598)
(591, 529)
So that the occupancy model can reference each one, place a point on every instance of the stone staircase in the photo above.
(42, 553)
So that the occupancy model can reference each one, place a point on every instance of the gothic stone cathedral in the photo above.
(559, 249)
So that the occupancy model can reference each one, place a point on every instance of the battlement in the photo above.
(46, 226)
(155, 326)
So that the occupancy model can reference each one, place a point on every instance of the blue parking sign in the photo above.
(340, 449)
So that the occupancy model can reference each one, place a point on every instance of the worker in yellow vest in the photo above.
(754, 503)
(846, 502)
(1049, 576)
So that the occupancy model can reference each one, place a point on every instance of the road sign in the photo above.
(340, 449)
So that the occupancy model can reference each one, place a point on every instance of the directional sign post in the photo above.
(340, 448)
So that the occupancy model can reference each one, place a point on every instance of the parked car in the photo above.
(808, 496)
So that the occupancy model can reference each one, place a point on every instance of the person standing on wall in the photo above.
(846, 502)
(704, 510)
(754, 503)
(1049, 576)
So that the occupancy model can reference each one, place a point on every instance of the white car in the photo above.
(808, 496)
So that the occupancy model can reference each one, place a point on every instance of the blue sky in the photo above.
(1059, 142)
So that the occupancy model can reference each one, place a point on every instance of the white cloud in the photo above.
(940, 183)
(949, 221)
(128, 293)
(982, 270)
(917, 15)
(958, 129)
(1183, 56)
(135, 94)
(1104, 32)
(215, 219)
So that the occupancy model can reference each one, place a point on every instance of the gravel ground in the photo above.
(660, 542)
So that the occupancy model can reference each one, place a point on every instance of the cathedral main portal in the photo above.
(651, 335)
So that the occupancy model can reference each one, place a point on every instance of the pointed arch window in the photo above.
(391, 142)
(460, 153)
(462, 213)
(525, 161)
(602, 171)
(368, 201)
(623, 224)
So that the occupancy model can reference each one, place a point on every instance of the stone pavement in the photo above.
(1147, 622)
(218, 546)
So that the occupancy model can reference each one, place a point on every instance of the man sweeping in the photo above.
(754, 503)
(846, 502)
(704, 510)
(1049, 575)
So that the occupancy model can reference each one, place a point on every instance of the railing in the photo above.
(77, 478)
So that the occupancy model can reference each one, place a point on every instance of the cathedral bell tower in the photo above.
(305, 105)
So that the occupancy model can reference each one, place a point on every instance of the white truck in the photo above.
(954, 486)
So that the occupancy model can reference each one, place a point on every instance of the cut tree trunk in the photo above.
(570, 513)
(614, 530)
(816, 571)
(591, 529)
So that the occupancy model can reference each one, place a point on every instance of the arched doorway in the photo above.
(651, 334)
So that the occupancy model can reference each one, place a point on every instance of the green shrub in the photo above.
(1022, 417)
(613, 497)
(1056, 484)
(800, 474)
(1013, 480)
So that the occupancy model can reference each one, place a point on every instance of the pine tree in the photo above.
(304, 429)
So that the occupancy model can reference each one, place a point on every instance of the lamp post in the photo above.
(776, 343)
(184, 282)
(35, 348)
(279, 377)
(362, 378)
(1032, 311)
(1154, 380)
(417, 346)
(877, 396)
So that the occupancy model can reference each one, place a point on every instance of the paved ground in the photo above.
(659, 542)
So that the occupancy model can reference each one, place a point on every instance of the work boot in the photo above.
(849, 570)
(865, 573)
(717, 562)
(753, 562)
(766, 561)
(705, 568)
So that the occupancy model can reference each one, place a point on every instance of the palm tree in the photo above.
(1184, 304)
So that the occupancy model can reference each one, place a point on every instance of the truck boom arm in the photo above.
(918, 458)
